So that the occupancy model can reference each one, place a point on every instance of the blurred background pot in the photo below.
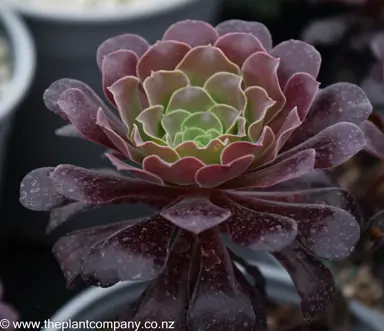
(98, 304)
(66, 46)
(22, 68)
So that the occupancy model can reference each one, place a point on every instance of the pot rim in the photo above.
(136, 10)
(24, 61)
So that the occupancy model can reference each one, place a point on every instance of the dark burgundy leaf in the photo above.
(296, 56)
(341, 102)
(327, 231)
(259, 231)
(259, 30)
(313, 281)
(130, 42)
(138, 252)
(72, 249)
(334, 145)
(196, 214)
(38, 193)
(60, 215)
(82, 113)
(95, 187)
(217, 303)
(295, 166)
(171, 289)
(54, 92)
(192, 32)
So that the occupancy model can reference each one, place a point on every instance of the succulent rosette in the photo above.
(223, 134)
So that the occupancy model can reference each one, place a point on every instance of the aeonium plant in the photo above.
(225, 135)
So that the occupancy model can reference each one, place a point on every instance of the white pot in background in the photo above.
(23, 69)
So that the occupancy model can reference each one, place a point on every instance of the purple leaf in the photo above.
(341, 102)
(327, 231)
(54, 92)
(37, 191)
(296, 56)
(334, 145)
(164, 55)
(259, 30)
(71, 250)
(170, 289)
(260, 69)
(129, 42)
(238, 46)
(216, 174)
(374, 139)
(95, 187)
(119, 141)
(314, 179)
(60, 215)
(295, 166)
(194, 33)
(115, 66)
(138, 252)
(217, 303)
(195, 214)
(300, 91)
(137, 172)
(259, 231)
(313, 281)
(181, 172)
(82, 113)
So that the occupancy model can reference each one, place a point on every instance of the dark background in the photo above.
(32, 278)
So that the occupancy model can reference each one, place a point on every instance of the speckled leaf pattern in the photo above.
(313, 281)
(296, 56)
(334, 145)
(138, 252)
(259, 230)
(217, 303)
(327, 231)
(295, 166)
(91, 186)
(341, 102)
(73, 249)
(195, 214)
(171, 289)
(37, 191)
(217, 130)
(82, 113)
